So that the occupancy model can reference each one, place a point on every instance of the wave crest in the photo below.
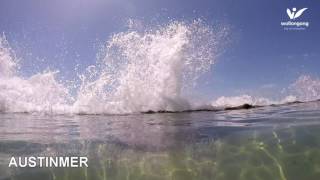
(150, 70)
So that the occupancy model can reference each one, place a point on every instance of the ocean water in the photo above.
(273, 142)
(133, 114)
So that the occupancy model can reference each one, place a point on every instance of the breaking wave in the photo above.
(38, 93)
(149, 70)
(140, 71)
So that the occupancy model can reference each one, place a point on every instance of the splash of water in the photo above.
(8, 62)
(151, 70)
(39, 93)
(306, 88)
(240, 100)
(141, 70)
(235, 101)
(148, 70)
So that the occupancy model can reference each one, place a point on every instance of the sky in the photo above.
(260, 58)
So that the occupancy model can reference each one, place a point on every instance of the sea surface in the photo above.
(272, 142)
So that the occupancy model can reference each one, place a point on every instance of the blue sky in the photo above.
(260, 58)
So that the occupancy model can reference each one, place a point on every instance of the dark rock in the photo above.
(244, 106)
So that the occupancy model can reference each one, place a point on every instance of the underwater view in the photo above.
(280, 142)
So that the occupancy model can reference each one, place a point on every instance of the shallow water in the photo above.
(280, 142)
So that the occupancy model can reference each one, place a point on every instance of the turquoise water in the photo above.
(275, 142)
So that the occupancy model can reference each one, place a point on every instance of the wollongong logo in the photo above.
(293, 14)
(292, 24)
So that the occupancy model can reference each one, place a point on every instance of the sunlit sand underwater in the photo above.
(273, 142)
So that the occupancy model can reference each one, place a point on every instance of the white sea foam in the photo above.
(8, 62)
(39, 93)
(240, 100)
(306, 88)
(150, 70)
(141, 70)
(235, 101)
